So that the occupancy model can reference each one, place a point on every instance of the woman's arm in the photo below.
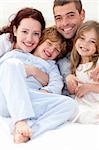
(42, 77)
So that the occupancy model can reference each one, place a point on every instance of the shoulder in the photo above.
(5, 43)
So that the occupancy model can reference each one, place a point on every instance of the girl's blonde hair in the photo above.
(75, 57)
(53, 35)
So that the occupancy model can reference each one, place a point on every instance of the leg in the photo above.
(14, 89)
(58, 110)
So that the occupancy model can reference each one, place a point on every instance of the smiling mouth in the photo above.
(47, 53)
(28, 44)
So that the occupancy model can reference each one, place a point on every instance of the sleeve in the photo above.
(64, 66)
(55, 84)
(5, 44)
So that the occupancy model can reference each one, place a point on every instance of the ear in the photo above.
(14, 30)
(82, 15)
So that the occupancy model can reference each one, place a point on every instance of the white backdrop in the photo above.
(9, 7)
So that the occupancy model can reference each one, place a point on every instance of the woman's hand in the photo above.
(37, 73)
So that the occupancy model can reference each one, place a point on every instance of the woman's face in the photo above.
(27, 34)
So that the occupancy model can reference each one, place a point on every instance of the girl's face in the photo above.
(48, 50)
(86, 44)
(27, 34)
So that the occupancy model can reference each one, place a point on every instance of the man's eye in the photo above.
(24, 31)
(57, 18)
(93, 42)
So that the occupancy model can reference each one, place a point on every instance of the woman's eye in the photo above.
(37, 34)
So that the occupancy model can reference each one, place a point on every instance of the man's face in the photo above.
(68, 19)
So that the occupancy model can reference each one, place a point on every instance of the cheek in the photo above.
(58, 24)
(37, 41)
(54, 56)
(76, 44)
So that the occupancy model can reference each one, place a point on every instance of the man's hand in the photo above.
(72, 83)
(95, 74)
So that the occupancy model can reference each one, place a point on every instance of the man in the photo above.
(69, 15)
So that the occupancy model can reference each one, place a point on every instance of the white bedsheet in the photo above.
(69, 137)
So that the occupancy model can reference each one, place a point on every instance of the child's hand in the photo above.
(72, 83)
(44, 91)
(38, 74)
(82, 89)
(95, 74)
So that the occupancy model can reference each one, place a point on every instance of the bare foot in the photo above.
(19, 138)
(22, 132)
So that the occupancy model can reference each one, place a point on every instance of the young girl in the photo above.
(84, 58)
(32, 107)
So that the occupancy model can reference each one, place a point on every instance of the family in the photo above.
(49, 76)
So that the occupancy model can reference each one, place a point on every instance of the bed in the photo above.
(71, 136)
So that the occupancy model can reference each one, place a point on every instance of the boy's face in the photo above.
(68, 19)
(48, 50)
(27, 34)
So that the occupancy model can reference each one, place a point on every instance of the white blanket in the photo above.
(71, 136)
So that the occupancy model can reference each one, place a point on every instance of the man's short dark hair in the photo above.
(78, 3)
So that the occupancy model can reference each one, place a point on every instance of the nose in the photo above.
(86, 43)
(52, 49)
(29, 37)
(65, 21)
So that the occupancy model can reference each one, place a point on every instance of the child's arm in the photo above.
(83, 89)
(37, 73)
(95, 74)
(55, 83)
(72, 83)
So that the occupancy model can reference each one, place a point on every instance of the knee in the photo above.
(11, 66)
(72, 105)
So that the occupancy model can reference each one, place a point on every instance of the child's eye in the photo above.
(57, 50)
(81, 37)
(49, 43)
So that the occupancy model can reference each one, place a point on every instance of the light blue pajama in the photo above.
(21, 97)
